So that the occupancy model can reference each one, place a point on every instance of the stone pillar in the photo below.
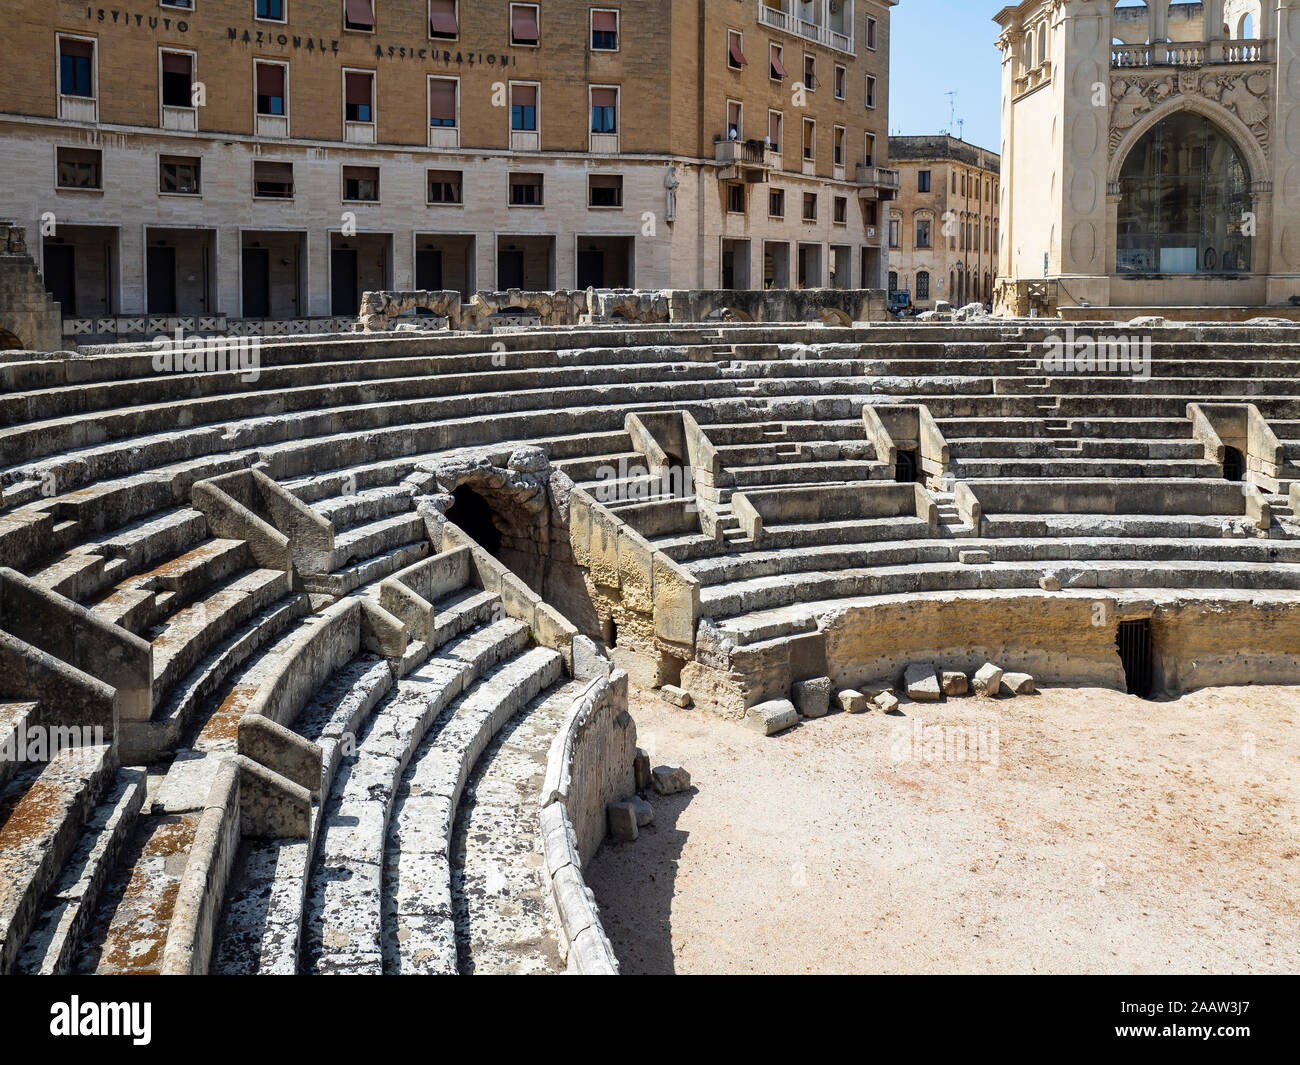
(316, 274)
(227, 262)
(131, 268)
(1282, 237)
(403, 275)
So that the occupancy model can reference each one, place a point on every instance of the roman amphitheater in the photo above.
(364, 627)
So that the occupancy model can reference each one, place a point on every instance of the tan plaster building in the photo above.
(943, 229)
(1149, 154)
(273, 159)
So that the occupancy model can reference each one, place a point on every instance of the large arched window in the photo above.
(1185, 204)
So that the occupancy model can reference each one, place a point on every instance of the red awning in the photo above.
(774, 130)
(604, 97)
(79, 49)
(523, 24)
(442, 17)
(604, 21)
(778, 68)
(442, 100)
(358, 88)
(270, 79)
(175, 63)
(737, 56)
(361, 13)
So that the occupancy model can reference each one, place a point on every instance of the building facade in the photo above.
(1149, 154)
(943, 229)
(273, 159)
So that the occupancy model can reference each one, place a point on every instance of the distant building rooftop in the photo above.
(942, 146)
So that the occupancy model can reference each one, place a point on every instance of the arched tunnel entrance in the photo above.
(474, 515)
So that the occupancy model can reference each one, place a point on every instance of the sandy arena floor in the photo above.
(1092, 832)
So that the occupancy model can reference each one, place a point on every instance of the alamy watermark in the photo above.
(915, 741)
(197, 354)
(39, 743)
(1102, 354)
(628, 481)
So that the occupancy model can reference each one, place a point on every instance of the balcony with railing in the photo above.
(809, 21)
(877, 182)
(749, 161)
(1191, 53)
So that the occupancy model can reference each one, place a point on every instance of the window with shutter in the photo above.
(359, 15)
(443, 21)
(442, 103)
(270, 89)
(523, 24)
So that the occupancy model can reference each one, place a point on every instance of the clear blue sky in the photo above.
(942, 46)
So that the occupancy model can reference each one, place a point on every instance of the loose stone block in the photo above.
(772, 717)
(813, 697)
(922, 683)
(955, 684)
(988, 680)
(974, 558)
(622, 821)
(1017, 684)
(645, 813)
(641, 769)
(853, 702)
(676, 696)
(670, 779)
(887, 702)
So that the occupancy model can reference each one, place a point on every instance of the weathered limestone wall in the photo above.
(1066, 638)
(29, 319)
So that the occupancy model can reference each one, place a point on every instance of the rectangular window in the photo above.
(871, 90)
(894, 236)
(776, 203)
(271, 88)
(870, 207)
(837, 145)
(177, 79)
(273, 180)
(922, 232)
(445, 186)
(359, 89)
(736, 198)
(270, 10)
(442, 103)
(180, 175)
(778, 71)
(809, 139)
(810, 72)
(735, 50)
(444, 20)
(523, 108)
(605, 190)
(76, 68)
(604, 30)
(775, 122)
(841, 81)
(361, 184)
(923, 181)
(869, 150)
(80, 168)
(525, 28)
(526, 190)
(735, 119)
(810, 207)
(604, 110)
(841, 210)
(359, 15)
(871, 33)
(923, 285)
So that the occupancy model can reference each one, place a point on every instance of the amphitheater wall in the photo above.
(1065, 638)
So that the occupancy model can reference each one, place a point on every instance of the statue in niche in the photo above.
(671, 185)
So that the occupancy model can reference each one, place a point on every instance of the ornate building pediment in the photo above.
(1246, 94)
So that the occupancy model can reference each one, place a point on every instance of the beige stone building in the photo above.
(270, 160)
(943, 229)
(1148, 154)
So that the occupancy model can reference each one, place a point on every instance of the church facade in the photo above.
(1150, 154)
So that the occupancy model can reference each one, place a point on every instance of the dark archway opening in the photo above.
(9, 342)
(474, 516)
(906, 467)
(1234, 464)
(1136, 652)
